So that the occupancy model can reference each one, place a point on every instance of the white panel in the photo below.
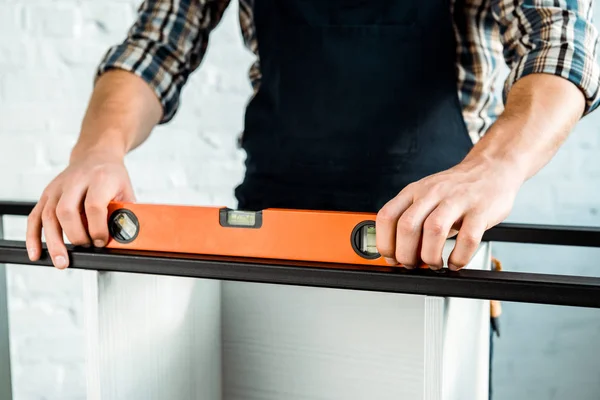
(466, 342)
(286, 342)
(302, 343)
(5, 367)
(434, 348)
(152, 337)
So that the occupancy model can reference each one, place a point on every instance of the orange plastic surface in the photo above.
(319, 236)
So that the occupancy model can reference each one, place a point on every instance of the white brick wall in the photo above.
(48, 52)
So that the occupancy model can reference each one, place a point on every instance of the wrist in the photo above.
(532, 127)
(109, 144)
(504, 150)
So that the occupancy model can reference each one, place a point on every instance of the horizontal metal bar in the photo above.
(17, 208)
(585, 236)
(507, 286)
(560, 235)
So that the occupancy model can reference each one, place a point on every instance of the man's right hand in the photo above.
(122, 112)
(75, 203)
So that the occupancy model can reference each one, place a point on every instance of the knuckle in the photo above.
(407, 224)
(448, 203)
(77, 175)
(100, 174)
(435, 226)
(48, 215)
(470, 239)
(47, 193)
(413, 186)
(93, 206)
(385, 216)
(33, 217)
(65, 212)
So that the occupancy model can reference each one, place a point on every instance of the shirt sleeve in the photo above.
(550, 36)
(165, 45)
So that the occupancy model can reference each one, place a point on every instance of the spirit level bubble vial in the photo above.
(123, 226)
(364, 240)
(284, 234)
(248, 219)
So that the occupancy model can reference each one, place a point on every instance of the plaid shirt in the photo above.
(170, 38)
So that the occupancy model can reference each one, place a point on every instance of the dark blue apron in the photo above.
(357, 99)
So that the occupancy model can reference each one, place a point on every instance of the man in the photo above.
(381, 106)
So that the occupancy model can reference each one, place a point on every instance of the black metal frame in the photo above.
(563, 290)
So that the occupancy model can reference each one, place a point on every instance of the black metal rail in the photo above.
(507, 286)
(17, 208)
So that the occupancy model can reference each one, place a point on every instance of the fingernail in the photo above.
(60, 262)
(452, 267)
(390, 261)
(98, 243)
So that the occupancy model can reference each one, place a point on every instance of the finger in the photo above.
(386, 222)
(33, 235)
(54, 235)
(68, 212)
(409, 231)
(436, 230)
(467, 241)
(99, 194)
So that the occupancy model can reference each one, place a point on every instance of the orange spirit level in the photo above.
(300, 235)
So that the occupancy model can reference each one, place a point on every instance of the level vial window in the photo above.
(368, 244)
(124, 226)
(364, 240)
(239, 218)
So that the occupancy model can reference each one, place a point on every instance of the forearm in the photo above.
(121, 113)
(541, 110)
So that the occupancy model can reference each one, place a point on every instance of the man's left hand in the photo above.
(479, 192)
(468, 199)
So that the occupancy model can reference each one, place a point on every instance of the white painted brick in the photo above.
(47, 87)
(17, 150)
(15, 53)
(18, 119)
(57, 20)
(44, 321)
(57, 150)
(65, 348)
(12, 18)
(65, 55)
(27, 184)
(107, 19)
(22, 284)
(590, 166)
(60, 381)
